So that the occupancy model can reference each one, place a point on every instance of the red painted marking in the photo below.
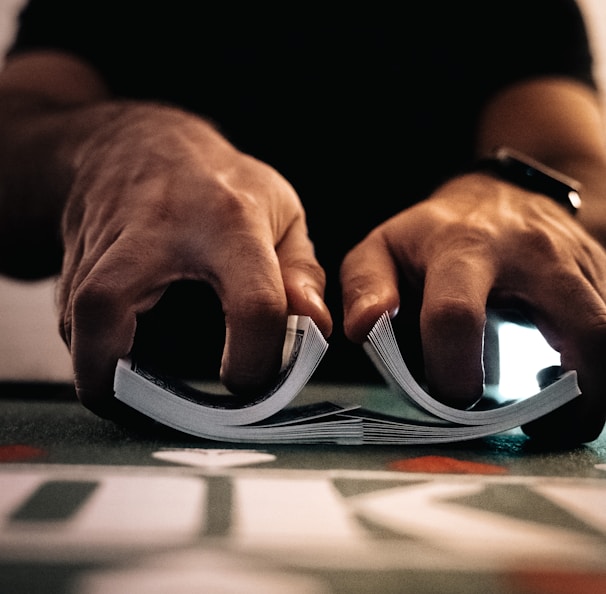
(443, 464)
(557, 582)
(19, 452)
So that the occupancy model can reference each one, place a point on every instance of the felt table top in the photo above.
(88, 506)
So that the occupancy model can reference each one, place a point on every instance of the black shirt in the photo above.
(363, 110)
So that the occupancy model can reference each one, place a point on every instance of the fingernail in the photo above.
(363, 302)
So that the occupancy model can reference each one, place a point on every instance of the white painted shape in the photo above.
(424, 512)
(168, 507)
(585, 502)
(15, 489)
(213, 458)
(124, 513)
(193, 572)
(297, 508)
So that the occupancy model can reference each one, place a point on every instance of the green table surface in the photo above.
(88, 506)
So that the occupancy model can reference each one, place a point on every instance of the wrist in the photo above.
(528, 173)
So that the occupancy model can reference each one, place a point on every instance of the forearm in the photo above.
(41, 95)
(592, 175)
(33, 187)
(38, 147)
(559, 123)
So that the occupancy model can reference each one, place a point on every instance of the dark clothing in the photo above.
(363, 111)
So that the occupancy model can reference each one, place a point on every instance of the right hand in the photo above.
(159, 196)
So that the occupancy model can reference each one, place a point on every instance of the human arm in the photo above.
(479, 240)
(137, 196)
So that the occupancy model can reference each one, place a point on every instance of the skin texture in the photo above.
(154, 195)
(188, 205)
(479, 240)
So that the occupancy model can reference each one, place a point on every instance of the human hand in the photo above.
(475, 242)
(159, 196)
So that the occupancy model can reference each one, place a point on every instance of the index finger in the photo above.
(369, 281)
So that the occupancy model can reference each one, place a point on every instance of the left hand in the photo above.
(478, 241)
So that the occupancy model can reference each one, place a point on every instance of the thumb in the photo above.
(369, 282)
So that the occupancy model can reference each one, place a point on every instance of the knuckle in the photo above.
(452, 312)
(309, 267)
(540, 241)
(267, 302)
(93, 301)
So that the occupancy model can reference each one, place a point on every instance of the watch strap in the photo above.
(527, 173)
